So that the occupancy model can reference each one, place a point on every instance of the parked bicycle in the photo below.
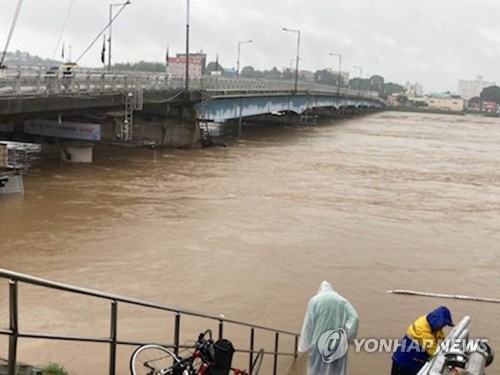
(208, 358)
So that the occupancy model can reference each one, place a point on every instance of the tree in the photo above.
(392, 88)
(491, 94)
(141, 66)
(403, 99)
(474, 101)
(274, 73)
(377, 84)
(360, 84)
(377, 80)
(213, 67)
(249, 71)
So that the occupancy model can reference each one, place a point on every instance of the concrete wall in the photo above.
(3, 156)
(79, 154)
(169, 132)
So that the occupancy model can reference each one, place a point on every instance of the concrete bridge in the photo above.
(152, 107)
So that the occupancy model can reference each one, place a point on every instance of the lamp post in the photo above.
(110, 23)
(359, 79)
(340, 70)
(291, 69)
(297, 60)
(187, 45)
(239, 50)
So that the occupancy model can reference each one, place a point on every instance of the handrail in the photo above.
(15, 333)
(27, 81)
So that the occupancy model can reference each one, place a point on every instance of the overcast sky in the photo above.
(433, 42)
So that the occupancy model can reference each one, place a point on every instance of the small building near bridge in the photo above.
(446, 101)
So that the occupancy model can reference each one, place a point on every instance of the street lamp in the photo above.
(340, 67)
(110, 23)
(359, 79)
(297, 60)
(238, 62)
(291, 69)
(187, 45)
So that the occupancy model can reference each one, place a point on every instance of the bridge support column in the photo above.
(240, 119)
(190, 124)
(77, 153)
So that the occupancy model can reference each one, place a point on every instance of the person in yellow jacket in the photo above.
(420, 342)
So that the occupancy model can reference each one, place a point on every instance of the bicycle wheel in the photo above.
(257, 362)
(153, 359)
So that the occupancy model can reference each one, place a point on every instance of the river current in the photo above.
(375, 203)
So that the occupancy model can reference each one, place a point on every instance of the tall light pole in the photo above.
(298, 51)
(340, 70)
(291, 68)
(187, 45)
(110, 23)
(239, 50)
(359, 79)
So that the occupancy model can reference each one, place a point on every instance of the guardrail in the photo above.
(26, 81)
(15, 332)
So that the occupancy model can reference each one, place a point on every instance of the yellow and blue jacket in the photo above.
(421, 339)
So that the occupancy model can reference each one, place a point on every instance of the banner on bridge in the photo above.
(69, 130)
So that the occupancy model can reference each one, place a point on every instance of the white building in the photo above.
(471, 89)
(414, 89)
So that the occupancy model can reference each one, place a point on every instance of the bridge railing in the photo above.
(29, 81)
(16, 333)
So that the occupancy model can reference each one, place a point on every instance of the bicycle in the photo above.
(208, 358)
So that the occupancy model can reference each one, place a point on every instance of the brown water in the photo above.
(389, 201)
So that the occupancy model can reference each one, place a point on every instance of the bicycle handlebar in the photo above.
(205, 346)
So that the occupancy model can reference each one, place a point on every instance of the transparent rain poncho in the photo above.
(329, 324)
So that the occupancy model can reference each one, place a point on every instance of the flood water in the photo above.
(386, 201)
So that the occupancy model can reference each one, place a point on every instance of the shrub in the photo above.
(54, 369)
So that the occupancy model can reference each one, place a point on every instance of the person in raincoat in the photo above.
(420, 342)
(330, 323)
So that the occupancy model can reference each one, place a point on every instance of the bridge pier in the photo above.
(77, 153)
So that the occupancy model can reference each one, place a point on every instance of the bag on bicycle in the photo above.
(224, 351)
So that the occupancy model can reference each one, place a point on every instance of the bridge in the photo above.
(137, 107)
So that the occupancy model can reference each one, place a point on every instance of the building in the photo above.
(344, 75)
(177, 65)
(446, 101)
(489, 106)
(471, 89)
(306, 75)
(414, 89)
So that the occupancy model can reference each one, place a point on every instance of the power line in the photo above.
(63, 28)
(12, 26)
(102, 32)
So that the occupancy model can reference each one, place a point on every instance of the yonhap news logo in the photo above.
(332, 345)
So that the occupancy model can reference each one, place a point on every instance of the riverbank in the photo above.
(434, 111)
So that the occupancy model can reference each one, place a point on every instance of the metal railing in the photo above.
(15, 333)
(38, 81)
